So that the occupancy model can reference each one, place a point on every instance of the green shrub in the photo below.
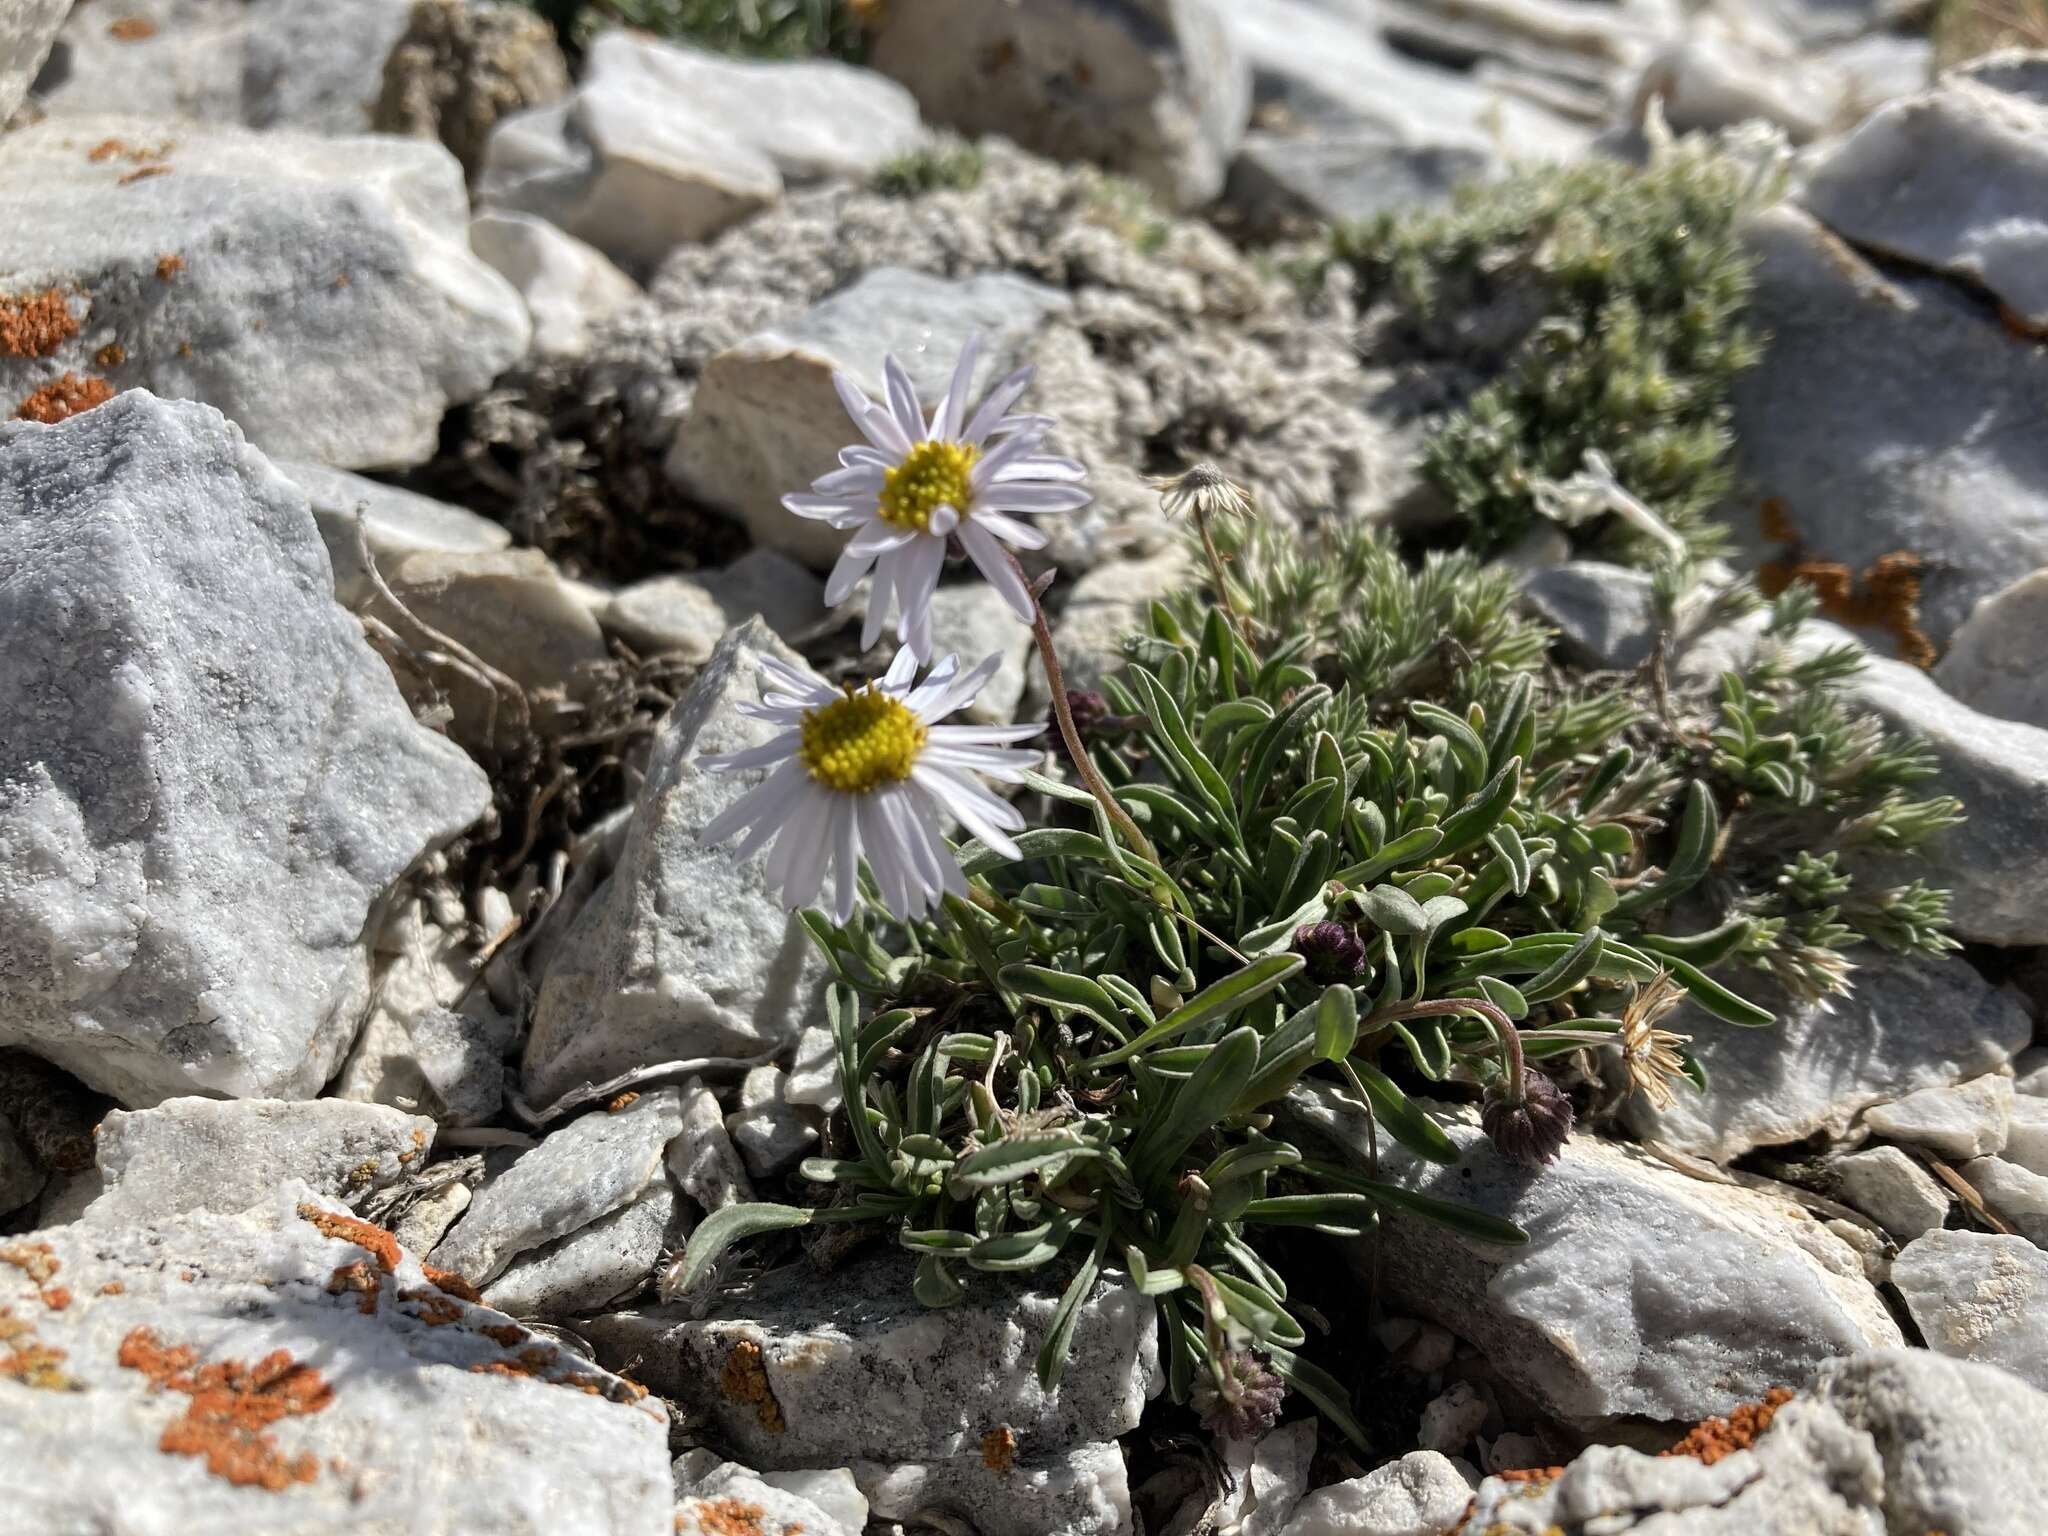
(941, 167)
(762, 28)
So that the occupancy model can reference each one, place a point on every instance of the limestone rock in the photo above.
(462, 66)
(396, 523)
(798, 1374)
(770, 1132)
(1917, 1023)
(2026, 1138)
(1325, 175)
(598, 1265)
(228, 1155)
(1978, 1296)
(1894, 1190)
(26, 34)
(670, 615)
(272, 275)
(568, 286)
(1422, 1494)
(1606, 614)
(1994, 660)
(1967, 1120)
(1155, 89)
(1106, 605)
(2016, 1195)
(587, 1169)
(390, 1407)
(1080, 1491)
(510, 607)
(316, 65)
(766, 420)
(733, 1497)
(970, 621)
(682, 953)
(202, 813)
(1270, 1477)
(1954, 179)
(701, 1157)
(1641, 1291)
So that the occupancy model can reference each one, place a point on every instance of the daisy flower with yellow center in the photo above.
(870, 773)
(921, 482)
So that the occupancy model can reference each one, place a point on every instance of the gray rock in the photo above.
(568, 286)
(1271, 1476)
(1106, 605)
(1967, 1120)
(2030, 1069)
(814, 1075)
(770, 1133)
(427, 1221)
(766, 421)
(769, 583)
(396, 523)
(1960, 1442)
(203, 812)
(1280, 181)
(970, 621)
(26, 33)
(1422, 1494)
(1718, 76)
(1978, 1296)
(669, 616)
(398, 1388)
(509, 607)
(1954, 179)
(1641, 1291)
(21, 1176)
(1838, 426)
(682, 953)
(1916, 1023)
(1155, 89)
(316, 65)
(2026, 1137)
(225, 1156)
(1080, 1491)
(1993, 662)
(587, 1169)
(270, 274)
(597, 1265)
(2014, 1194)
(796, 1373)
(463, 66)
(701, 1157)
(1894, 1190)
(1605, 615)
(1451, 1419)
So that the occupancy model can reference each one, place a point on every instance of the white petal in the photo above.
(880, 596)
(861, 453)
(854, 480)
(853, 397)
(879, 537)
(1011, 532)
(890, 864)
(900, 672)
(944, 520)
(1044, 466)
(988, 818)
(983, 735)
(926, 701)
(767, 802)
(845, 858)
(917, 581)
(903, 399)
(846, 575)
(953, 409)
(1004, 767)
(1009, 451)
(1034, 498)
(881, 430)
(813, 856)
(963, 692)
(999, 567)
(836, 510)
(801, 835)
(795, 681)
(995, 405)
(774, 751)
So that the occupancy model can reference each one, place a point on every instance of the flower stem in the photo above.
(1502, 1026)
(1216, 573)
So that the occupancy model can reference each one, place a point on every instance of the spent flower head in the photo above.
(1204, 490)
(1649, 1054)
(870, 772)
(1532, 1131)
(918, 483)
(1238, 1395)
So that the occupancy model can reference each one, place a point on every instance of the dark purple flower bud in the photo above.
(1334, 951)
(1089, 710)
(1534, 1131)
(1243, 1401)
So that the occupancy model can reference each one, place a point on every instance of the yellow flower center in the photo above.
(861, 741)
(932, 475)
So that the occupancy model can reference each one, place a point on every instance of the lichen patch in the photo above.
(35, 324)
(61, 399)
(232, 1407)
(744, 1379)
(368, 1236)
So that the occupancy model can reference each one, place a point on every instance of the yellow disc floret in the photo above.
(932, 475)
(861, 741)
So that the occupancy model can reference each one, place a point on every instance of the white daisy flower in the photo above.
(869, 772)
(915, 482)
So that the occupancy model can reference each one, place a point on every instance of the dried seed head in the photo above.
(1238, 1396)
(1534, 1131)
(1206, 490)
(1649, 1054)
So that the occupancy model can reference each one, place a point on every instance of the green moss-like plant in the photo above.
(778, 29)
(943, 167)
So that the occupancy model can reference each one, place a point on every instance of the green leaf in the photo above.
(1335, 1215)
(1404, 1121)
(722, 1228)
(1468, 825)
(1061, 991)
(1403, 850)
(1014, 1157)
(1506, 843)
(1568, 971)
(1030, 1249)
(1196, 1107)
(1698, 830)
(1217, 1001)
(1336, 1023)
(1322, 1389)
(934, 1285)
(1717, 999)
(1445, 1213)
(1393, 909)
(1464, 741)
(1059, 1335)
(1179, 748)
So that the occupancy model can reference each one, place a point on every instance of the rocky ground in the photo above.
(390, 521)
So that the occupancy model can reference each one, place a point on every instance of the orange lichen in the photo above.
(61, 399)
(37, 1365)
(144, 172)
(509, 1335)
(372, 1239)
(999, 1449)
(624, 1099)
(1711, 1439)
(38, 1261)
(744, 1379)
(1889, 598)
(232, 1408)
(56, 1297)
(359, 1278)
(112, 1288)
(168, 267)
(451, 1282)
(108, 149)
(419, 1145)
(112, 355)
(1535, 1475)
(35, 324)
(131, 29)
(432, 1307)
(732, 1517)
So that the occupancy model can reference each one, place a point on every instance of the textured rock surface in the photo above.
(1605, 614)
(1082, 1491)
(770, 1133)
(1641, 1291)
(21, 1176)
(259, 1372)
(1156, 89)
(225, 1156)
(1967, 1120)
(681, 953)
(1994, 660)
(1280, 180)
(587, 1169)
(1865, 461)
(1955, 179)
(595, 1266)
(26, 32)
(274, 275)
(315, 64)
(568, 286)
(733, 1499)
(201, 814)
(795, 1374)
(1909, 1024)
(462, 66)
(172, 58)
(1894, 1190)
(2026, 1136)
(1981, 1297)
(2016, 1195)
(395, 522)
(1422, 1494)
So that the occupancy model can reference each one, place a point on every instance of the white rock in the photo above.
(1156, 89)
(1326, 175)
(1978, 1296)
(568, 286)
(2026, 1138)
(768, 582)
(427, 1221)
(771, 1133)
(970, 621)
(317, 65)
(1605, 614)
(272, 275)
(227, 1155)
(1269, 1477)
(1450, 1420)
(1993, 663)
(201, 814)
(1960, 1442)
(1968, 1120)
(509, 607)
(588, 1168)
(1419, 1495)
(766, 420)
(833, 1491)
(1081, 1491)
(701, 1157)
(808, 1372)
(395, 522)
(1106, 605)
(732, 1496)
(1720, 75)
(682, 953)
(668, 616)
(814, 1077)
(597, 1265)
(1837, 425)
(1891, 1188)
(2030, 1069)
(166, 58)
(1955, 179)
(1641, 1291)
(26, 32)
(406, 1428)
(2016, 1195)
